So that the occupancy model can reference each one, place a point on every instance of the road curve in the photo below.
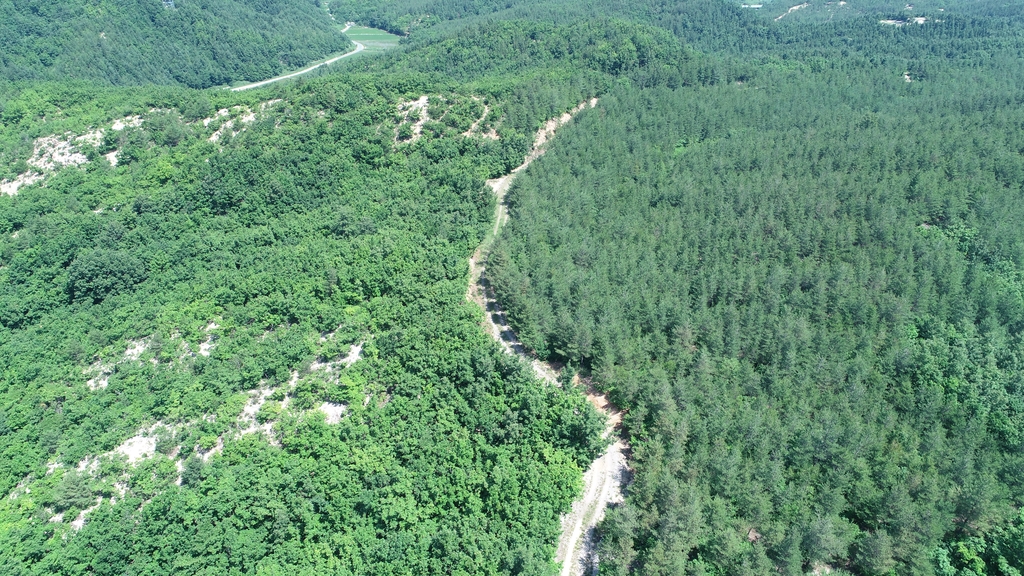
(359, 48)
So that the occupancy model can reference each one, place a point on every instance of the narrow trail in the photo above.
(359, 48)
(603, 482)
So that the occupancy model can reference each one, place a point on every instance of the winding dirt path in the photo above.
(603, 482)
(603, 485)
(359, 48)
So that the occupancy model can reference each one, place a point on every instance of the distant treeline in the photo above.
(198, 43)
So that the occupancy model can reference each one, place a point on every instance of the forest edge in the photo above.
(604, 481)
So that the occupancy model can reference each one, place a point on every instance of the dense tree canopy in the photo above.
(201, 283)
(198, 43)
(157, 294)
(234, 335)
(811, 309)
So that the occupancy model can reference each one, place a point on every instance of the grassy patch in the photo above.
(376, 41)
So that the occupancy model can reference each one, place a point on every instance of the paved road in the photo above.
(359, 48)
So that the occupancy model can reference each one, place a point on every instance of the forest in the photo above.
(196, 43)
(234, 329)
(234, 332)
(810, 308)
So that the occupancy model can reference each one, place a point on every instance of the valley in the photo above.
(512, 287)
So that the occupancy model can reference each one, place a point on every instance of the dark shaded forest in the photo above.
(810, 306)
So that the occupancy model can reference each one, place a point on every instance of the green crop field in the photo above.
(376, 41)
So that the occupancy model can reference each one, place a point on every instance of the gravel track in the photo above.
(604, 481)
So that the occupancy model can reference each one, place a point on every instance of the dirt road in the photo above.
(359, 48)
(603, 482)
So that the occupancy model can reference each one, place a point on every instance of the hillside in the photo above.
(195, 43)
(547, 287)
(809, 307)
(234, 330)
